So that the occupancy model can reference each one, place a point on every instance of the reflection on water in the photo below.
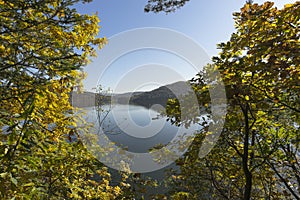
(135, 128)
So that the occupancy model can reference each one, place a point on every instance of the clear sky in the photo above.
(206, 22)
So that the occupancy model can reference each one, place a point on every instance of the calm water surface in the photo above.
(136, 129)
(133, 127)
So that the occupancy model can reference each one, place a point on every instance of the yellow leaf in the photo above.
(2, 48)
(288, 5)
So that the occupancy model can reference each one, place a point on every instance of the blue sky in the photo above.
(206, 22)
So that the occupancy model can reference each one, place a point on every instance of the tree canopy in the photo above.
(258, 153)
(164, 5)
(43, 47)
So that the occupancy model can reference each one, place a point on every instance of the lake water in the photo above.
(134, 128)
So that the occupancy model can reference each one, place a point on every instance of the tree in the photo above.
(164, 5)
(258, 153)
(44, 45)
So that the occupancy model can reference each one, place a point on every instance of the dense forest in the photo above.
(160, 95)
(43, 49)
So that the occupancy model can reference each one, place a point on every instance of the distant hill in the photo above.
(147, 99)
(82, 99)
(160, 95)
(125, 97)
(87, 99)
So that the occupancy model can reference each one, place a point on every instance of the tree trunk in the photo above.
(245, 158)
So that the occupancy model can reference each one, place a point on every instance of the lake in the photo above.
(133, 127)
(136, 129)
